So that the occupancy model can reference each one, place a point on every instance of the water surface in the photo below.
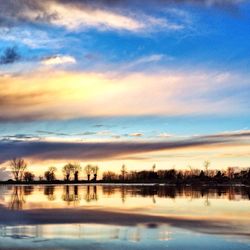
(124, 217)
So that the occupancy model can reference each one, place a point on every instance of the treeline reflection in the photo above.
(73, 194)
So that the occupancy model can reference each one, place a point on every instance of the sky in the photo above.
(162, 82)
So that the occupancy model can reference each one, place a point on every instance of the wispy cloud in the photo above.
(137, 134)
(43, 150)
(61, 94)
(58, 59)
(75, 15)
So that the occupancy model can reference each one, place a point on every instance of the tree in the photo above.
(67, 169)
(109, 176)
(206, 166)
(95, 170)
(230, 172)
(88, 171)
(50, 174)
(191, 170)
(75, 169)
(28, 176)
(153, 167)
(123, 172)
(18, 167)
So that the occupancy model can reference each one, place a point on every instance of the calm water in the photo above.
(124, 217)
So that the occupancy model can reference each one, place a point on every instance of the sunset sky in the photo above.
(163, 82)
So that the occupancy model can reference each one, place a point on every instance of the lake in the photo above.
(124, 217)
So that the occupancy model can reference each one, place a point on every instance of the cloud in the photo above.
(31, 37)
(231, 134)
(5, 174)
(146, 60)
(75, 15)
(56, 60)
(32, 22)
(9, 56)
(136, 134)
(43, 150)
(61, 95)
(165, 135)
(20, 137)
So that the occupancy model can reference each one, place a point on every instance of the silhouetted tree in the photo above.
(206, 166)
(67, 170)
(18, 167)
(50, 174)
(95, 170)
(28, 176)
(76, 168)
(123, 172)
(109, 176)
(88, 170)
(202, 174)
(153, 167)
(230, 172)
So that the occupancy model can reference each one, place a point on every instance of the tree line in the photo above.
(71, 171)
(190, 175)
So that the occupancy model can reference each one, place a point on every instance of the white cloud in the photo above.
(149, 59)
(75, 18)
(165, 135)
(136, 134)
(56, 60)
(30, 37)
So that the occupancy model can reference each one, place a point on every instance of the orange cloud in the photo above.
(54, 94)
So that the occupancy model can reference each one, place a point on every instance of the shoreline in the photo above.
(151, 184)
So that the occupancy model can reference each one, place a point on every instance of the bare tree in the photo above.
(95, 170)
(18, 167)
(230, 172)
(206, 166)
(50, 174)
(88, 170)
(75, 169)
(109, 176)
(28, 176)
(123, 172)
(153, 167)
(67, 170)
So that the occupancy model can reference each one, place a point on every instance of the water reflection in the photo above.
(49, 192)
(124, 213)
(91, 194)
(73, 194)
(86, 231)
(18, 196)
(70, 195)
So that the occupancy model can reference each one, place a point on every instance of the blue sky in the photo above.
(95, 71)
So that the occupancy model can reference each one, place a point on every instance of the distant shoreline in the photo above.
(101, 183)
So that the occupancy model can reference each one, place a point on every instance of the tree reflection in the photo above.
(206, 193)
(49, 192)
(123, 194)
(108, 190)
(91, 194)
(17, 199)
(70, 195)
